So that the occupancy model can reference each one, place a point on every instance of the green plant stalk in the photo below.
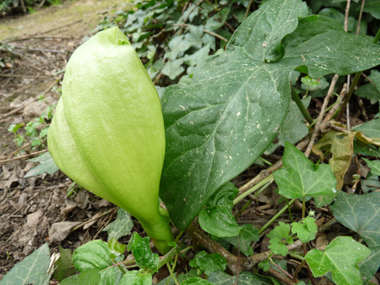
(276, 216)
(353, 85)
(253, 189)
(302, 108)
(108, 133)
(303, 207)
(172, 274)
(290, 212)
(296, 256)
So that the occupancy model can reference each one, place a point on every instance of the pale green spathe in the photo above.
(108, 132)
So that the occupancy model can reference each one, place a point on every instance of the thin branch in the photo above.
(360, 18)
(188, 15)
(320, 117)
(248, 9)
(23, 156)
(346, 15)
(205, 31)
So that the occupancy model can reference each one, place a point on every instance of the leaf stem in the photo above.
(268, 180)
(303, 207)
(276, 216)
(302, 108)
(172, 274)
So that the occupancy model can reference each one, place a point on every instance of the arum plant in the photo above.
(108, 131)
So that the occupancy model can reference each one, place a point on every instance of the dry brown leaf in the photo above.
(59, 231)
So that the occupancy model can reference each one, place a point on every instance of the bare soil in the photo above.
(35, 49)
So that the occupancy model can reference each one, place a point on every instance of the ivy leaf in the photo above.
(339, 258)
(300, 177)
(370, 129)
(209, 262)
(245, 278)
(361, 214)
(305, 229)
(64, 264)
(86, 277)
(374, 165)
(247, 235)
(144, 256)
(94, 254)
(47, 165)
(136, 278)
(371, 183)
(173, 68)
(120, 227)
(216, 218)
(218, 125)
(181, 278)
(31, 270)
(279, 236)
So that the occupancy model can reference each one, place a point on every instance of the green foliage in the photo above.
(145, 258)
(47, 165)
(121, 226)
(216, 218)
(301, 178)
(339, 258)
(247, 235)
(209, 262)
(305, 229)
(279, 237)
(31, 270)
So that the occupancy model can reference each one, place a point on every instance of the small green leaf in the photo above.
(247, 235)
(144, 256)
(210, 262)
(13, 128)
(116, 248)
(47, 165)
(374, 165)
(301, 177)
(121, 226)
(136, 278)
(94, 254)
(340, 257)
(31, 270)
(65, 267)
(180, 278)
(87, 277)
(371, 183)
(310, 82)
(279, 236)
(305, 229)
(264, 265)
(216, 218)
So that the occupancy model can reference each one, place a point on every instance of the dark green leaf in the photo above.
(121, 226)
(300, 177)
(87, 277)
(245, 278)
(248, 234)
(94, 254)
(361, 214)
(210, 262)
(144, 256)
(216, 218)
(31, 270)
(218, 125)
(339, 258)
(294, 128)
(64, 264)
(369, 266)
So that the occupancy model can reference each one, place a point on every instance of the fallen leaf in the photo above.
(59, 231)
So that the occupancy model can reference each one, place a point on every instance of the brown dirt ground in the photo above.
(29, 207)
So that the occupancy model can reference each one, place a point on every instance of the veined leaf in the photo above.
(340, 257)
(300, 177)
(228, 115)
